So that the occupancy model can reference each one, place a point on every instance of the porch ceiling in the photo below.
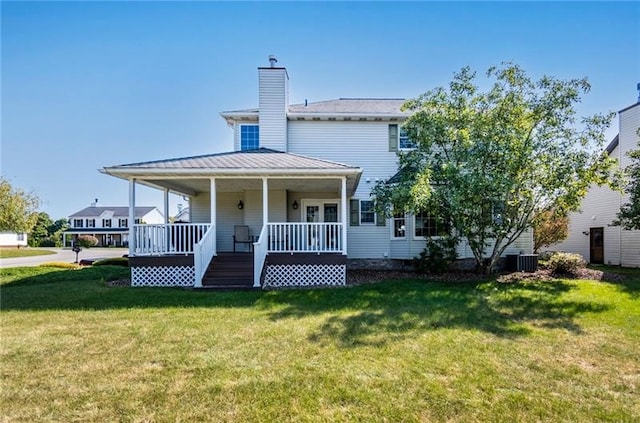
(194, 186)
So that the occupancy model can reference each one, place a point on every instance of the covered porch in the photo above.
(293, 208)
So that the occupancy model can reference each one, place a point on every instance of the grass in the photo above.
(74, 349)
(23, 252)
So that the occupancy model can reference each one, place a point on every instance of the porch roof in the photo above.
(262, 162)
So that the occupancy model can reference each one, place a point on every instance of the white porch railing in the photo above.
(304, 237)
(168, 238)
(259, 256)
(204, 251)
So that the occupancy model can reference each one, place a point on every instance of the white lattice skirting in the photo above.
(163, 276)
(287, 275)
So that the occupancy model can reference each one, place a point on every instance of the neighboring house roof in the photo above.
(118, 212)
(613, 144)
(630, 107)
(248, 161)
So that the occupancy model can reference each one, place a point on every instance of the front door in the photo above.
(596, 245)
(323, 237)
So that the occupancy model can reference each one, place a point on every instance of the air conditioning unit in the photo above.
(527, 262)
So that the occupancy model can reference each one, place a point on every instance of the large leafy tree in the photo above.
(489, 161)
(17, 208)
(629, 215)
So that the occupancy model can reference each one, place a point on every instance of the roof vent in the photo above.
(273, 60)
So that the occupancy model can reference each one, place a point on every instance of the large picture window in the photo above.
(429, 224)
(249, 137)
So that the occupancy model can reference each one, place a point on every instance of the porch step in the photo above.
(230, 271)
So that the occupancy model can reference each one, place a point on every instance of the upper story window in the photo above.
(78, 223)
(91, 223)
(429, 224)
(106, 223)
(399, 139)
(138, 221)
(20, 237)
(249, 137)
(122, 223)
(404, 141)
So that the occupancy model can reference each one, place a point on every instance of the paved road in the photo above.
(63, 255)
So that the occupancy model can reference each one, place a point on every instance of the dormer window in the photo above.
(249, 137)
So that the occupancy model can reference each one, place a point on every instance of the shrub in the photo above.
(113, 261)
(48, 242)
(60, 265)
(86, 241)
(565, 263)
(437, 255)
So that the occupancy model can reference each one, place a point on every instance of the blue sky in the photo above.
(89, 84)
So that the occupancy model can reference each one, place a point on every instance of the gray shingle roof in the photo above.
(118, 211)
(352, 105)
(382, 106)
(262, 158)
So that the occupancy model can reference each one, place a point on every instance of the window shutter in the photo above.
(354, 213)
(381, 219)
(393, 137)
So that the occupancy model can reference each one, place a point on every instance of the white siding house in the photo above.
(591, 233)
(12, 239)
(110, 225)
(299, 181)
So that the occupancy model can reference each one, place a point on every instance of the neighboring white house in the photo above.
(12, 239)
(590, 231)
(300, 178)
(110, 225)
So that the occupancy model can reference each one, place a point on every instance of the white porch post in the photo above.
(166, 220)
(343, 203)
(265, 202)
(132, 216)
(213, 215)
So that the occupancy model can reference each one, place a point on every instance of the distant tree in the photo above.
(629, 215)
(55, 231)
(17, 208)
(549, 227)
(40, 230)
(490, 161)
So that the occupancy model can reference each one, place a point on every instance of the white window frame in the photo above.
(240, 134)
(321, 202)
(126, 222)
(372, 211)
(420, 237)
(401, 130)
(393, 220)
(91, 223)
(106, 223)
(80, 221)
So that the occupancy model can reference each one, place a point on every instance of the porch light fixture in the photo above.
(585, 233)
(240, 205)
(295, 205)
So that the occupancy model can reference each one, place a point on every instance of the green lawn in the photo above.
(74, 349)
(6, 252)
